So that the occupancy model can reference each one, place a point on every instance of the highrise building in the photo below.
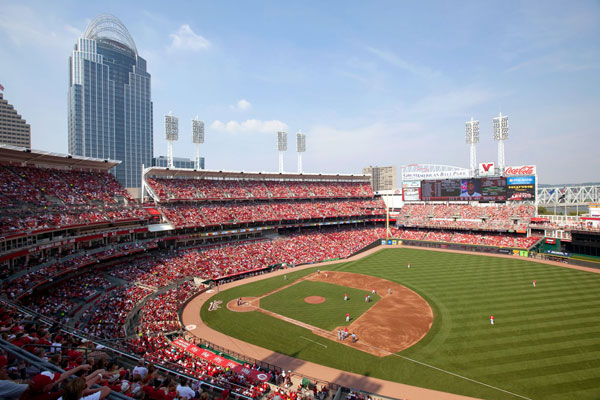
(110, 107)
(14, 130)
(178, 162)
(382, 178)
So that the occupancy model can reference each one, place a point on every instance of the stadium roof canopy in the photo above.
(190, 173)
(23, 156)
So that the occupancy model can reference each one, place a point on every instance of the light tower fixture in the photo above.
(281, 146)
(197, 139)
(472, 138)
(300, 148)
(500, 135)
(171, 134)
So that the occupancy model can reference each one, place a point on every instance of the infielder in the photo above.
(492, 319)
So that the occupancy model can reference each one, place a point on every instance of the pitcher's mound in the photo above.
(314, 299)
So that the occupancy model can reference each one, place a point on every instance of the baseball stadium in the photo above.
(123, 279)
(287, 285)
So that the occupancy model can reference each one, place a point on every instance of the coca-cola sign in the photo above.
(520, 171)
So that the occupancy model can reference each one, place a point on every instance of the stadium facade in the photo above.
(110, 106)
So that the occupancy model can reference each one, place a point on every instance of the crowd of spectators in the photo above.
(87, 364)
(19, 285)
(495, 217)
(226, 213)
(33, 199)
(239, 189)
(471, 238)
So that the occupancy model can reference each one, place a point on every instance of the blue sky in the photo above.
(370, 83)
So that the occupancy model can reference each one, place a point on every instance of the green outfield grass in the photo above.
(545, 343)
(328, 315)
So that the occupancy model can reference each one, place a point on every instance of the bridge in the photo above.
(568, 196)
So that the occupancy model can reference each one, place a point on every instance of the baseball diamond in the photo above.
(541, 337)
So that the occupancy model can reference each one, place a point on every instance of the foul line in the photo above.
(320, 344)
(460, 376)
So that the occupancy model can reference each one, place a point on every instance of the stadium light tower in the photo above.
(472, 137)
(171, 134)
(281, 146)
(500, 135)
(197, 139)
(300, 148)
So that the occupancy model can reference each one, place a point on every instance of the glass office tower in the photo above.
(110, 107)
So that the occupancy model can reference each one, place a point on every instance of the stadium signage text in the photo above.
(486, 169)
(412, 176)
(521, 170)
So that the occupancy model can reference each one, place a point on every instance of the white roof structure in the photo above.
(108, 27)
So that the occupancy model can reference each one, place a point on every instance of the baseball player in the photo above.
(408, 265)
(345, 296)
(389, 290)
(366, 298)
(347, 317)
(492, 319)
(534, 283)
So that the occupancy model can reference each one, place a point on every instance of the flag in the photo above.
(1, 87)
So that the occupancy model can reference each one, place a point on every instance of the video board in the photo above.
(497, 189)
(520, 188)
(476, 189)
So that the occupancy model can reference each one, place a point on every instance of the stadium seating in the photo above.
(168, 189)
(33, 199)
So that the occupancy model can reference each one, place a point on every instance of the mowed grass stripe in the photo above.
(543, 333)
(516, 343)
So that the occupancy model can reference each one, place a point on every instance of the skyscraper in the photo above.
(110, 107)
(14, 130)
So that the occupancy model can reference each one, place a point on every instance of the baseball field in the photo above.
(545, 343)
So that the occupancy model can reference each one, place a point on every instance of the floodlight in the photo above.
(171, 134)
(500, 135)
(472, 137)
(282, 141)
(300, 148)
(197, 139)
(281, 146)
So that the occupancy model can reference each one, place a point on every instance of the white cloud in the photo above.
(250, 125)
(186, 39)
(241, 105)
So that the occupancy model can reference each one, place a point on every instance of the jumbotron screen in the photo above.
(478, 189)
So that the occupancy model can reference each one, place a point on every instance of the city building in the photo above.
(110, 107)
(14, 130)
(382, 178)
(178, 162)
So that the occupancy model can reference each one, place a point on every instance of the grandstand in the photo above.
(77, 249)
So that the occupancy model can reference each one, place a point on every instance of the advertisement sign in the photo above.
(418, 175)
(411, 184)
(411, 194)
(221, 361)
(550, 241)
(522, 170)
(521, 188)
(486, 169)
